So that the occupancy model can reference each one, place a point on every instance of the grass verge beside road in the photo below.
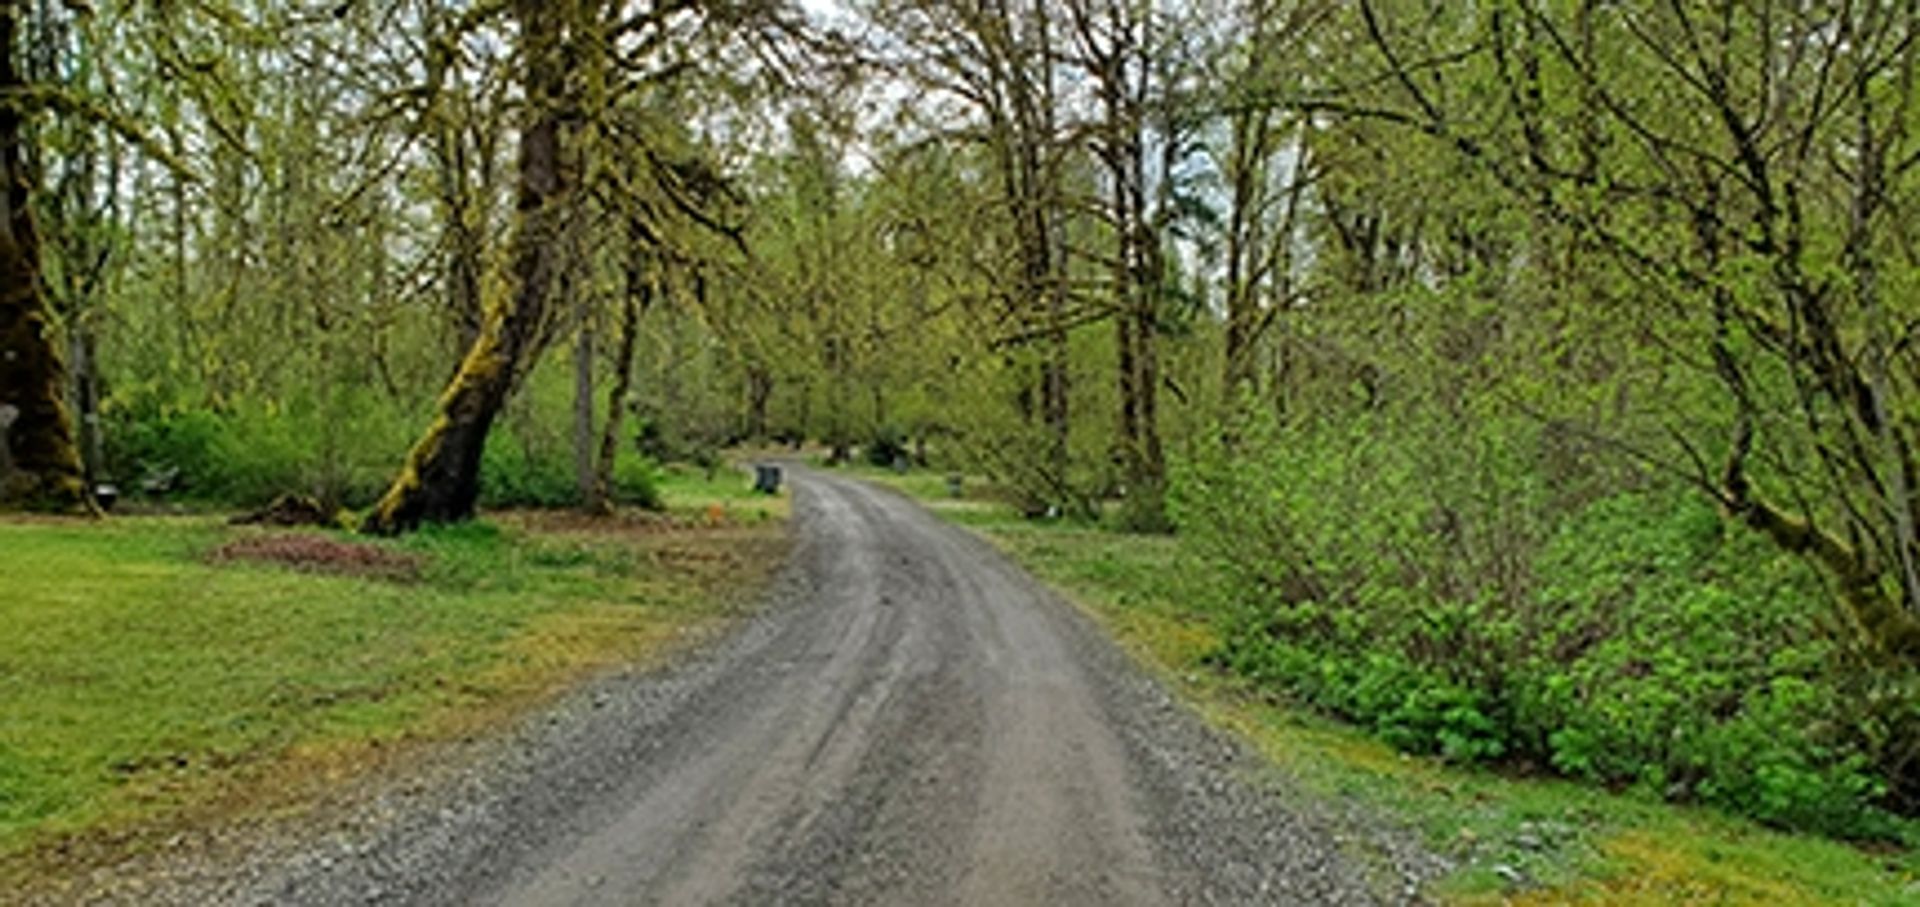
(159, 672)
(1512, 840)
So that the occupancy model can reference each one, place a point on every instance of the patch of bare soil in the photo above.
(319, 554)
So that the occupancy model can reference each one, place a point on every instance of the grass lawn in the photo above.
(1513, 840)
(147, 681)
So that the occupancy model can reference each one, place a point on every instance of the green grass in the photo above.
(142, 683)
(1514, 840)
(693, 493)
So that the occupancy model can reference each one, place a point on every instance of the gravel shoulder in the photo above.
(912, 719)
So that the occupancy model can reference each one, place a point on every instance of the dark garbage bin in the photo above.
(954, 484)
(766, 478)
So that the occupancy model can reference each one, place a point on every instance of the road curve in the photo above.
(913, 720)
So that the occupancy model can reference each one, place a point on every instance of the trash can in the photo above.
(766, 478)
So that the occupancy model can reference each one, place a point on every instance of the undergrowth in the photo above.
(1453, 602)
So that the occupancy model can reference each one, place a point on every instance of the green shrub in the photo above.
(342, 449)
(636, 482)
(1440, 595)
(663, 441)
(888, 446)
(514, 473)
(1679, 653)
(187, 442)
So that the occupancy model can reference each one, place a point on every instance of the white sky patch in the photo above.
(829, 12)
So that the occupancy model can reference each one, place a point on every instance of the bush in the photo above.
(1632, 640)
(250, 453)
(1690, 657)
(339, 450)
(887, 447)
(636, 482)
(661, 441)
(514, 473)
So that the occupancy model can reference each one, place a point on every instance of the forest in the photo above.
(1534, 383)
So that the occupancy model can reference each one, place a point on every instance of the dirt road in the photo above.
(913, 721)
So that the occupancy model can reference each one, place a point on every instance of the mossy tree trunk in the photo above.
(440, 481)
(639, 296)
(759, 395)
(585, 476)
(575, 293)
(44, 469)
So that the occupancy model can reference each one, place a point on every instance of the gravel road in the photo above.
(913, 720)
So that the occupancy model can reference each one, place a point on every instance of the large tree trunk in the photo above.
(839, 433)
(440, 481)
(1127, 434)
(1148, 497)
(1137, 284)
(759, 394)
(41, 469)
(1114, 54)
(81, 226)
(86, 396)
(1057, 403)
(600, 497)
(1045, 280)
(583, 439)
(1247, 175)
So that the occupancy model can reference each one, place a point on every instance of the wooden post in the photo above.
(8, 413)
